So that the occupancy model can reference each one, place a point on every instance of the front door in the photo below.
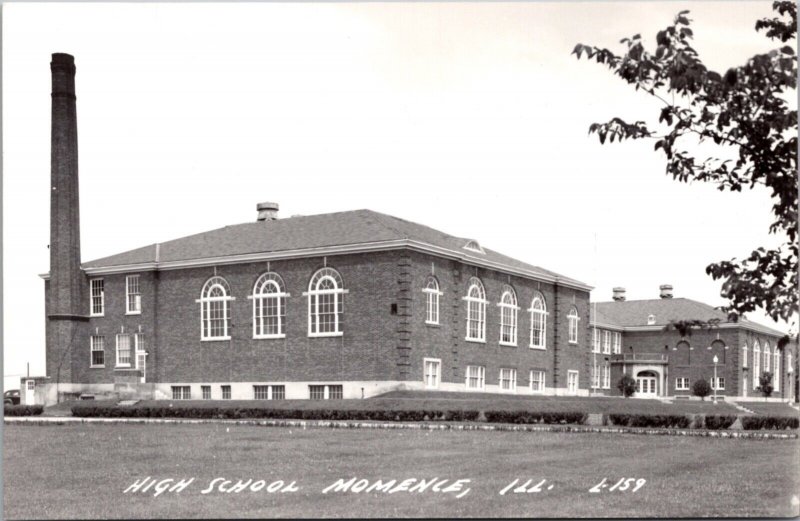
(30, 390)
(141, 364)
(646, 385)
(572, 382)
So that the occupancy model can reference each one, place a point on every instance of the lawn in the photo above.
(471, 401)
(82, 471)
(771, 409)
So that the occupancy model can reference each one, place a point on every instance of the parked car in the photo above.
(11, 397)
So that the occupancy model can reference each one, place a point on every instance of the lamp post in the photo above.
(716, 359)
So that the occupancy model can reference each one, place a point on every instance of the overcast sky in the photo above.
(468, 117)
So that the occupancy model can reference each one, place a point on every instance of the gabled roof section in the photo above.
(634, 313)
(313, 234)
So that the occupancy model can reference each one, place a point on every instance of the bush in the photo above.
(718, 422)
(528, 417)
(701, 388)
(651, 420)
(751, 423)
(627, 385)
(765, 383)
(22, 410)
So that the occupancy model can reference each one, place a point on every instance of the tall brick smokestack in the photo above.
(65, 238)
(66, 307)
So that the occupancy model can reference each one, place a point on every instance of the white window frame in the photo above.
(606, 376)
(744, 355)
(261, 297)
(538, 309)
(715, 383)
(776, 371)
(476, 303)
(617, 348)
(94, 293)
(756, 364)
(131, 284)
(93, 342)
(437, 364)
(508, 316)
(205, 308)
(432, 295)
(540, 381)
(203, 395)
(768, 360)
(129, 349)
(681, 383)
(606, 342)
(596, 340)
(572, 321)
(479, 376)
(314, 294)
(570, 374)
(595, 374)
(509, 375)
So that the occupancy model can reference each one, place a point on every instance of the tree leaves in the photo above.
(746, 110)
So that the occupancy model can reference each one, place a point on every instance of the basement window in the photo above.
(181, 392)
(325, 392)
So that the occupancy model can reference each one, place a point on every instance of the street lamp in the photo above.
(716, 359)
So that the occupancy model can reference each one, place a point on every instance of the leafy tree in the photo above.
(627, 385)
(701, 388)
(765, 384)
(745, 113)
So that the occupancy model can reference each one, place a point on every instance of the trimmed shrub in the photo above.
(528, 417)
(701, 388)
(670, 421)
(751, 423)
(718, 422)
(627, 385)
(22, 410)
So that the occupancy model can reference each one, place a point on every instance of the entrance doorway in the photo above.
(30, 392)
(647, 384)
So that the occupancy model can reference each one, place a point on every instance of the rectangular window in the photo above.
(776, 373)
(617, 343)
(475, 376)
(123, 350)
(226, 392)
(572, 382)
(433, 368)
(595, 377)
(719, 384)
(537, 381)
(476, 320)
(98, 351)
(133, 297)
(181, 392)
(270, 315)
(681, 384)
(606, 376)
(206, 390)
(508, 379)
(596, 341)
(572, 321)
(508, 325)
(744, 355)
(269, 392)
(607, 342)
(432, 302)
(96, 304)
(326, 392)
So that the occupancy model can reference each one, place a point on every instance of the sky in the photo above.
(471, 118)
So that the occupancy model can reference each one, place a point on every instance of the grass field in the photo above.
(82, 470)
(771, 409)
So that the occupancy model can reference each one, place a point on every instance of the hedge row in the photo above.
(719, 422)
(22, 410)
(752, 423)
(673, 421)
(264, 413)
(535, 417)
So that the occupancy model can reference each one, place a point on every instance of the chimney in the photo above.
(666, 290)
(267, 211)
(65, 242)
(619, 294)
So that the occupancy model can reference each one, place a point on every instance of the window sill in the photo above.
(133, 312)
(475, 340)
(215, 339)
(572, 343)
(323, 335)
(538, 348)
(97, 366)
(122, 366)
(92, 315)
(267, 337)
(434, 324)
(508, 344)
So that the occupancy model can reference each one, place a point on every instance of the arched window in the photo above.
(476, 311)
(572, 320)
(744, 355)
(325, 303)
(432, 295)
(215, 309)
(756, 364)
(269, 306)
(767, 359)
(508, 316)
(538, 322)
(776, 372)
